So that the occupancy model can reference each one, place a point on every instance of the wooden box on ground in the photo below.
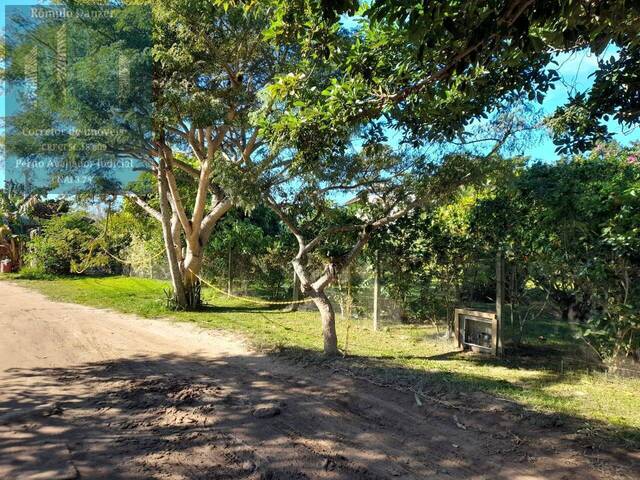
(477, 331)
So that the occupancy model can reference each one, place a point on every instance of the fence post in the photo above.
(229, 277)
(499, 300)
(376, 292)
(296, 293)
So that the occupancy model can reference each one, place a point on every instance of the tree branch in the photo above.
(145, 206)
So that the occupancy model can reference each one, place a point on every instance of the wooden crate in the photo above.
(472, 330)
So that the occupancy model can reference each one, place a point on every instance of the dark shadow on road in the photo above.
(199, 418)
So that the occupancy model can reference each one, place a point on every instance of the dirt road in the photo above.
(93, 394)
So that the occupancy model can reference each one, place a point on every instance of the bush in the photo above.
(64, 244)
(34, 273)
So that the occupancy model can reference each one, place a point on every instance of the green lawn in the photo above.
(406, 355)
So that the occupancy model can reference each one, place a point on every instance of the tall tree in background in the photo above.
(383, 186)
(209, 64)
(342, 131)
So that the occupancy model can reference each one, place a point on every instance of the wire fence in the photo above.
(356, 301)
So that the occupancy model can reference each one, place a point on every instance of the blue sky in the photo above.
(574, 69)
(3, 4)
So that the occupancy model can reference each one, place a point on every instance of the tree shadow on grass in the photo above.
(198, 417)
(459, 386)
(247, 308)
(526, 357)
(523, 357)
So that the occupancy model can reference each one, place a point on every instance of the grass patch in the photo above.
(402, 353)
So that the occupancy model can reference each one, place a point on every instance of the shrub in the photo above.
(64, 244)
(34, 273)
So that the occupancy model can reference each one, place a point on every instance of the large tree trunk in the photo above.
(295, 294)
(328, 317)
(191, 282)
(320, 299)
(178, 293)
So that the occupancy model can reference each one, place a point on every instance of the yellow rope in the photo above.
(87, 267)
(79, 272)
(126, 262)
(209, 284)
(247, 299)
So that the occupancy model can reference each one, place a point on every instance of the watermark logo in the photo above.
(78, 96)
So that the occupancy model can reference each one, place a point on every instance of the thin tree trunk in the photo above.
(167, 234)
(295, 294)
(322, 303)
(376, 293)
(328, 317)
(499, 298)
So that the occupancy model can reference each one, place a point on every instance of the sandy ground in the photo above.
(92, 394)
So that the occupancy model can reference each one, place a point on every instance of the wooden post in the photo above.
(296, 293)
(229, 279)
(499, 301)
(376, 293)
(456, 322)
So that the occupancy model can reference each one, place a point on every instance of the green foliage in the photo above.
(571, 227)
(432, 67)
(252, 248)
(66, 243)
(34, 273)
(569, 234)
(87, 114)
(426, 257)
(581, 124)
(20, 214)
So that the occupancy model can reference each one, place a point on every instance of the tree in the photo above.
(448, 61)
(238, 247)
(582, 248)
(209, 64)
(21, 213)
(385, 187)
(323, 115)
(424, 72)
(64, 244)
(427, 256)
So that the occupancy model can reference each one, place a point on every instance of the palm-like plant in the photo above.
(20, 214)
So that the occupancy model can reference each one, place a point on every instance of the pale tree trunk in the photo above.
(184, 239)
(295, 294)
(376, 293)
(316, 289)
(328, 318)
(197, 229)
(179, 296)
(327, 314)
(186, 257)
(190, 280)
